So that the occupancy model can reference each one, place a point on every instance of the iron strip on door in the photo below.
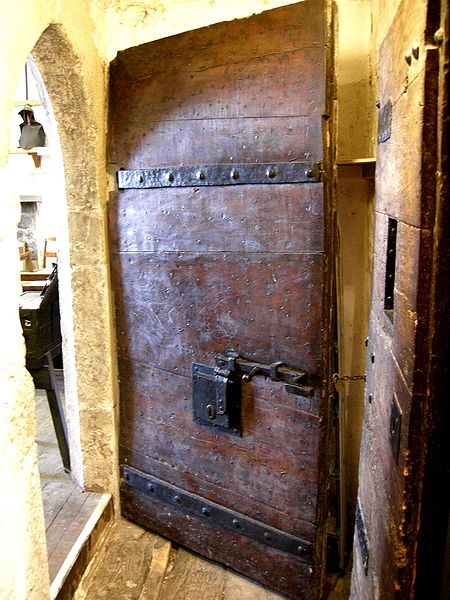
(206, 510)
(225, 174)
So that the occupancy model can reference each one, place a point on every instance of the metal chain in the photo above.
(337, 377)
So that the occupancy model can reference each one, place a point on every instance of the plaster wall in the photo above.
(75, 77)
(72, 43)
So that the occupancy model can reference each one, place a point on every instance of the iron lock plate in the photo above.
(216, 398)
(216, 390)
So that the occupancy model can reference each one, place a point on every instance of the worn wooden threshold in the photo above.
(83, 550)
(133, 563)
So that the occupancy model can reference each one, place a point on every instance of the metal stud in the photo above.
(200, 175)
(234, 174)
(140, 179)
(170, 177)
(271, 172)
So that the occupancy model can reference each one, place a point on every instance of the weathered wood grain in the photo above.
(216, 141)
(193, 578)
(239, 588)
(204, 48)
(286, 519)
(253, 218)
(246, 556)
(177, 308)
(151, 590)
(390, 489)
(241, 90)
(198, 271)
(67, 526)
(124, 567)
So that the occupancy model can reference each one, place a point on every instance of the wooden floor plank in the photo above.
(55, 496)
(71, 529)
(124, 567)
(241, 588)
(61, 522)
(193, 578)
(157, 572)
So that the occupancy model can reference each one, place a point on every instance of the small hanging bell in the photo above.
(32, 133)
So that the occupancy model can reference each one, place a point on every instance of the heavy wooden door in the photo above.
(220, 245)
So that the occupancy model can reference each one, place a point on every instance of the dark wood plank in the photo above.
(253, 218)
(193, 578)
(196, 272)
(271, 30)
(290, 576)
(288, 519)
(176, 308)
(215, 141)
(241, 90)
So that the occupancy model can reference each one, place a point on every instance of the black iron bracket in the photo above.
(209, 512)
(225, 174)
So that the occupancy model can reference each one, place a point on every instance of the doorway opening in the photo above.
(36, 172)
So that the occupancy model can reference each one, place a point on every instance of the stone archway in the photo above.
(84, 273)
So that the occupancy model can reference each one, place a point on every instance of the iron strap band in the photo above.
(225, 174)
(207, 511)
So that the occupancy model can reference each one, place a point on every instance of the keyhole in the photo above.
(211, 411)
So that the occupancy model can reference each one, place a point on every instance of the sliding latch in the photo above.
(217, 389)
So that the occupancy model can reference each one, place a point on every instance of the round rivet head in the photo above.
(310, 173)
(200, 175)
(439, 36)
(234, 174)
(236, 524)
(177, 499)
(300, 549)
(170, 177)
(205, 512)
(408, 56)
(267, 536)
(140, 178)
(151, 488)
(271, 172)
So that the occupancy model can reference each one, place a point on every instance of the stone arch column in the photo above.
(84, 270)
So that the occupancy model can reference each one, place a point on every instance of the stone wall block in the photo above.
(87, 238)
(93, 345)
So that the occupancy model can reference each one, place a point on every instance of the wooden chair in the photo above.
(52, 253)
